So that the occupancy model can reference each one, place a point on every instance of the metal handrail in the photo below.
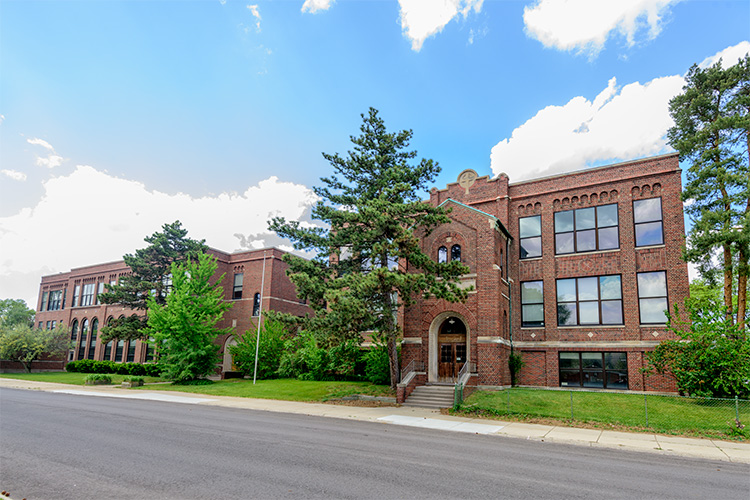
(461, 379)
(413, 366)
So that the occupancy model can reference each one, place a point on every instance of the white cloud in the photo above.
(256, 14)
(2, 118)
(585, 25)
(420, 19)
(621, 123)
(14, 174)
(52, 159)
(728, 56)
(89, 217)
(314, 6)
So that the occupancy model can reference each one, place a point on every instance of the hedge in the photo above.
(93, 366)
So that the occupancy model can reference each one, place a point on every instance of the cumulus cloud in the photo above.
(89, 217)
(14, 174)
(585, 25)
(52, 159)
(621, 123)
(256, 14)
(314, 6)
(420, 19)
(728, 56)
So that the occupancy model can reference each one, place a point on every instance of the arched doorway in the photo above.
(452, 349)
(228, 362)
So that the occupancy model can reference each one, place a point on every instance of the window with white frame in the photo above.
(532, 303)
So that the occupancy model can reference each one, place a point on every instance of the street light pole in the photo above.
(260, 316)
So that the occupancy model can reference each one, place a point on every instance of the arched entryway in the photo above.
(449, 349)
(227, 365)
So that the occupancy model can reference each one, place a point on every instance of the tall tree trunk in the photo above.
(728, 281)
(742, 287)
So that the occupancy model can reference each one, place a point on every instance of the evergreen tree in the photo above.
(711, 133)
(183, 325)
(369, 261)
(150, 278)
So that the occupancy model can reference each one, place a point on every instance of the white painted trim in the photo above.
(412, 340)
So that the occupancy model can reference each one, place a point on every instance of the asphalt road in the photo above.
(60, 446)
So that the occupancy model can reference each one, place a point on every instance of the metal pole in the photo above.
(260, 316)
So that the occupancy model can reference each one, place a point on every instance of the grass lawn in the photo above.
(68, 378)
(285, 389)
(666, 414)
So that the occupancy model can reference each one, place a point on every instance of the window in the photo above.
(595, 300)
(64, 298)
(131, 351)
(53, 325)
(43, 306)
(84, 335)
(150, 350)
(652, 297)
(532, 303)
(648, 222)
(41, 323)
(48, 323)
(73, 331)
(456, 253)
(603, 370)
(530, 233)
(237, 291)
(587, 229)
(442, 255)
(55, 298)
(256, 305)
(76, 294)
(108, 351)
(87, 298)
(118, 350)
(99, 291)
(92, 342)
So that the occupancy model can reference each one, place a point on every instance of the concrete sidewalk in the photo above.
(728, 451)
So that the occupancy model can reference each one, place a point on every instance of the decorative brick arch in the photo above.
(432, 350)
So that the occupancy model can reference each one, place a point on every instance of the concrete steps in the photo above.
(431, 396)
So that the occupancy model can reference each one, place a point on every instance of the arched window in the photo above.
(118, 351)
(256, 305)
(442, 255)
(92, 342)
(456, 253)
(131, 351)
(74, 331)
(84, 335)
(108, 351)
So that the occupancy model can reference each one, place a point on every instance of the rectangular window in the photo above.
(54, 324)
(595, 300)
(647, 216)
(532, 303)
(600, 370)
(99, 291)
(76, 295)
(118, 351)
(237, 290)
(108, 351)
(55, 299)
(48, 324)
(64, 298)
(587, 229)
(87, 298)
(131, 351)
(530, 236)
(652, 297)
(41, 323)
(43, 307)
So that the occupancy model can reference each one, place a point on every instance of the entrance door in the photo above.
(452, 349)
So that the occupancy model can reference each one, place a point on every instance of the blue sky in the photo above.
(118, 116)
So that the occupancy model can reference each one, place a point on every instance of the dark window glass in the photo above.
(456, 253)
(442, 255)
(73, 332)
(595, 300)
(647, 216)
(256, 305)
(594, 370)
(532, 303)
(530, 232)
(150, 350)
(43, 306)
(108, 351)
(92, 341)
(84, 335)
(587, 229)
(118, 351)
(237, 290)
(131, 351)
(652, 297)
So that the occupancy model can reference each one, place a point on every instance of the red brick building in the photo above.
(572, 271)
(71, 298)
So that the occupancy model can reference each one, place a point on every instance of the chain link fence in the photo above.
(661, 413)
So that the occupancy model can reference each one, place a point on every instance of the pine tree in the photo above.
(711, 133)
(150, 277)
(369, 261)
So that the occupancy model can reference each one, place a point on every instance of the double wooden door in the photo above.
(452, 359)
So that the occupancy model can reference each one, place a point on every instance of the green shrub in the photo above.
(377, 366)
(515, 363)
(133, 379)
(94, 366)
(97, 377)
(304, 359)
(272, 342)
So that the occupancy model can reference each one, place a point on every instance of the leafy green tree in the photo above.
(272, 339)
(711, 356)
(711, 133)
(184, 326)
(150, 279)
(15, 312)
(369, 261)
(24, 344)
